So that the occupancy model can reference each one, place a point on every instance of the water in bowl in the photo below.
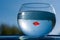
(44, 20)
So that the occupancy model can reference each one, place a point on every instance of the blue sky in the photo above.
(9, 10)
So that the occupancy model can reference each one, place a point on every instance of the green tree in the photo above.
(6, 29)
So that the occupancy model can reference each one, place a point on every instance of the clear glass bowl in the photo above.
(36, 19)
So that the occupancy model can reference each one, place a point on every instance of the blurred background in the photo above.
(8, 15)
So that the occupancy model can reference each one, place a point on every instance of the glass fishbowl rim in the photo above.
(43, 5)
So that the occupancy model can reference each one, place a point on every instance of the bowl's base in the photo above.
(49, 37)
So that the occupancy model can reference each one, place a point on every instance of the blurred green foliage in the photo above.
(10, 30)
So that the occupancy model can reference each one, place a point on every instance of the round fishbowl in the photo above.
(36, 19)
